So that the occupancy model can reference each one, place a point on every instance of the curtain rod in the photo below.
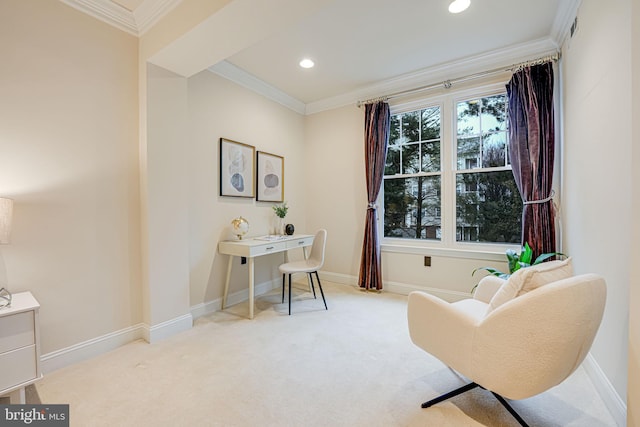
(447, 84)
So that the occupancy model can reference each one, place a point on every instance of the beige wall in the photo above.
(68, 138)
(167, 224)
(633, 396)
(597, 168)
(219, 108)
(335, 183)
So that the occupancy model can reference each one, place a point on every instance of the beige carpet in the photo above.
(353, 365)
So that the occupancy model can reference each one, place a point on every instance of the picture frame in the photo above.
(269, 177)
(237, 169)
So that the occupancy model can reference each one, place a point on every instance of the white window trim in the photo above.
(447, 246)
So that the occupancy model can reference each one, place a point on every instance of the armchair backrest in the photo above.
(538, 339)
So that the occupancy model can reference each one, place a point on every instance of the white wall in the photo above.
(597, 168)
(219, 108)
(633, 388)
(68, 144)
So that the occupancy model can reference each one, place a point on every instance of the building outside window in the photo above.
(448, 173)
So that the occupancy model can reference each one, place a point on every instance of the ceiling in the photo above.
(361, 45)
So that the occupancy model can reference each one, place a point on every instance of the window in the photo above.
(469, 197)
(413, 176)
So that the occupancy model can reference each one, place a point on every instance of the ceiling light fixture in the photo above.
(307, 63)
(458, 6)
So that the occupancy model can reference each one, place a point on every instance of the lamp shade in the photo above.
(6, 215)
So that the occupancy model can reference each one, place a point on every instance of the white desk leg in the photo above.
(251, 284)
(226, 283)
(17, 397)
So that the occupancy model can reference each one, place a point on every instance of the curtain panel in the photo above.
(531, 148)
(376, 140)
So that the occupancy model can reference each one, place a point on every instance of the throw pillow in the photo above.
(530, 278)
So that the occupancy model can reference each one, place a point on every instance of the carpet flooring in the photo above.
(353, 365)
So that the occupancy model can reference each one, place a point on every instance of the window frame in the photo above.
(447, 245)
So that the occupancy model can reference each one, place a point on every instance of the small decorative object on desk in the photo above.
(289, 229)
(240, 227)
(5, 298)
(281, 212)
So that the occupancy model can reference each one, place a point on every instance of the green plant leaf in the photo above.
(544, 257)
(512, 260)
(490, 270)
(527, 254)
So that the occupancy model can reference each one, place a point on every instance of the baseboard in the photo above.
(105, 343)
(607, 392)
(166, 329)
(396, 287)
(209, 307)
(90, 348)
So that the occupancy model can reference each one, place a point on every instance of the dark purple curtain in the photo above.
(531, 147)
(376, 137)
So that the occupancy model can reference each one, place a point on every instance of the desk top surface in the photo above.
(266, 239)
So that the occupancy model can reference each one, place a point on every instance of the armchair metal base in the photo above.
(471, 386)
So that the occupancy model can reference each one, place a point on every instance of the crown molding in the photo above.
(237, 75)
(106, 11)
(135, 23)
(151, 11)
(450, 70)
(439, 73)
(567, 11)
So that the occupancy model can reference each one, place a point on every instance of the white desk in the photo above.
(251, 248)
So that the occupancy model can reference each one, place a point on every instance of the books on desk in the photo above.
(271, 237)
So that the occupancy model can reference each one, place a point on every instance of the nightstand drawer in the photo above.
(16, 331)
(18, 366)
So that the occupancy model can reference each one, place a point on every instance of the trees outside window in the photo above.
(412, 183)
(485, 204)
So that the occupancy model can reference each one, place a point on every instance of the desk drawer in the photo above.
(16, 330)
(17, 367)
(268, 248)
(300, 243)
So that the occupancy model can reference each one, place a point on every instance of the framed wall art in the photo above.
(270, 177)
(237, 167)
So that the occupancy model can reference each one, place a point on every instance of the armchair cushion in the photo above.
(530, 278)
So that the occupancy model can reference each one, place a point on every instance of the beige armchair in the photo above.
(514, 338)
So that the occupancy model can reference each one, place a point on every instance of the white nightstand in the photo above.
(19, 346)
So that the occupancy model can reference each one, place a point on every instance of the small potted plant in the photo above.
(280, 211)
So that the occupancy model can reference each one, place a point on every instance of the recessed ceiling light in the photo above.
(458, 6)
(307, 63)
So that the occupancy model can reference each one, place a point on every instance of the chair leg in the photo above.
(449, 395)
(289, 294)
(283, 275)
(471, 386)
(510, 409)
(321, 292)
(313, 288)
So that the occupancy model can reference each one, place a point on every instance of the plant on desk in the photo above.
(280, 211)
